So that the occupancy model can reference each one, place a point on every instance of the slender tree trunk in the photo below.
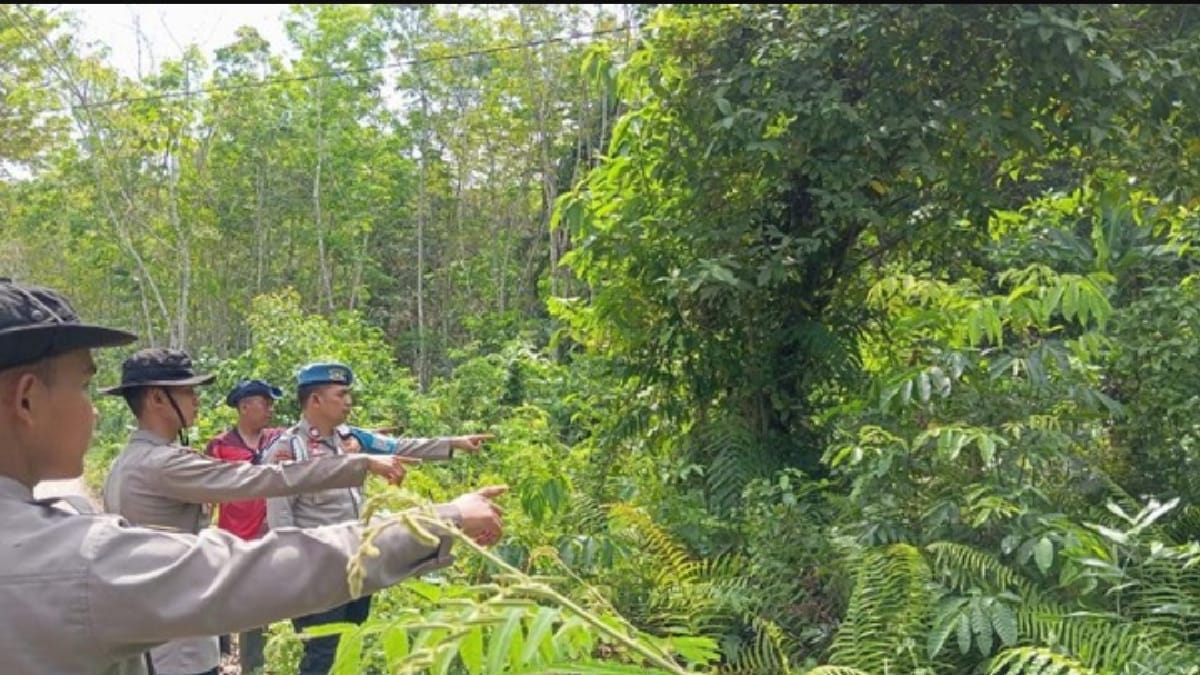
(359, 263)
(423, 375)
(260, 230)
(557, 238)
(183, 251)
(325, 290)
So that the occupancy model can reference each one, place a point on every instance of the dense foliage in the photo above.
(818, 339)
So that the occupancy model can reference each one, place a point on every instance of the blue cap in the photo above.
(246, 388)
(325, 373)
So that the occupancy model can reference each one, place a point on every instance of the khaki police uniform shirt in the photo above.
(155, 483)
(88, 594)
(304, 443)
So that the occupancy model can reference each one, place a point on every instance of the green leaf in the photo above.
(923, 387)
(695, 649)
(1115, 74)
(539, 632)
(446, 654)
(470, 650)
(1051, 301)
(1043, 554)
(1070, 302)
(327, 629)
(981, 627)
(987, 449)
(946, 621)
(395, 643)
(500, 645)
(349, 654)
(964, 634)
(974, 328)
(1004, 620)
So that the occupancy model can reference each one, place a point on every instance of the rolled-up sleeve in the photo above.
(420, 448)
(193, 478)
(145, 586)
(424, 448)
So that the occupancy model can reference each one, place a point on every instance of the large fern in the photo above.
(732, 457)
(1184, 524)
(1036, 661)
(670, 594)
(764, 653)
(1104, 642)
(1166, 596)
(962, 568)
(889, 613)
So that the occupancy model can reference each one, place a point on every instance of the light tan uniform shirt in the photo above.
(154, 483)
(322, 507)
(87, 594)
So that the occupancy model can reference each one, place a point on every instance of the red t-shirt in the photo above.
(246, 518)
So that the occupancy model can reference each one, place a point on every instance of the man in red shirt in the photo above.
(245, 442)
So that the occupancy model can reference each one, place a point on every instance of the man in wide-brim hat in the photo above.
(88, 593)
(155, 482)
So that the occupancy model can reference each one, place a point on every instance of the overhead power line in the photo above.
(343, 72)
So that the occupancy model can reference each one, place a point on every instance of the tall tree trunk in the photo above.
(423, 374)
(557, 238)
(260, 230)
(183, 251)
(359, 262)
(325, 290)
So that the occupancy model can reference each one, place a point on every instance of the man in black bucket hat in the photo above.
(165, 370)
(88, 594)
(157, 483)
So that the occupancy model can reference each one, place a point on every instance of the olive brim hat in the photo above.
(157, 367)
(38, 323)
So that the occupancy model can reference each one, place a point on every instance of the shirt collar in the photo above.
(266, 437)
(304, 430)
(147, 436)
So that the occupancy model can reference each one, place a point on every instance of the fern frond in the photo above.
(728, 587)
(961, 567)
(835, 670)
(732, 456)
(763, 654)
(889, 607)
(1167, 598)
(1035, 661)
(588, 515)
(674, 565)
(1102, 642)
(674, 594)
(1184, 524)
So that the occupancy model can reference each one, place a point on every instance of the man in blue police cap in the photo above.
(154, 482)
(325, 400)
(89, 593)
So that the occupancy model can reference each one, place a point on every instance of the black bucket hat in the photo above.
(37, 323)
(157, 367)
(246, 388)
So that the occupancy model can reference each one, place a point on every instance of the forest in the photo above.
(815, 339)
